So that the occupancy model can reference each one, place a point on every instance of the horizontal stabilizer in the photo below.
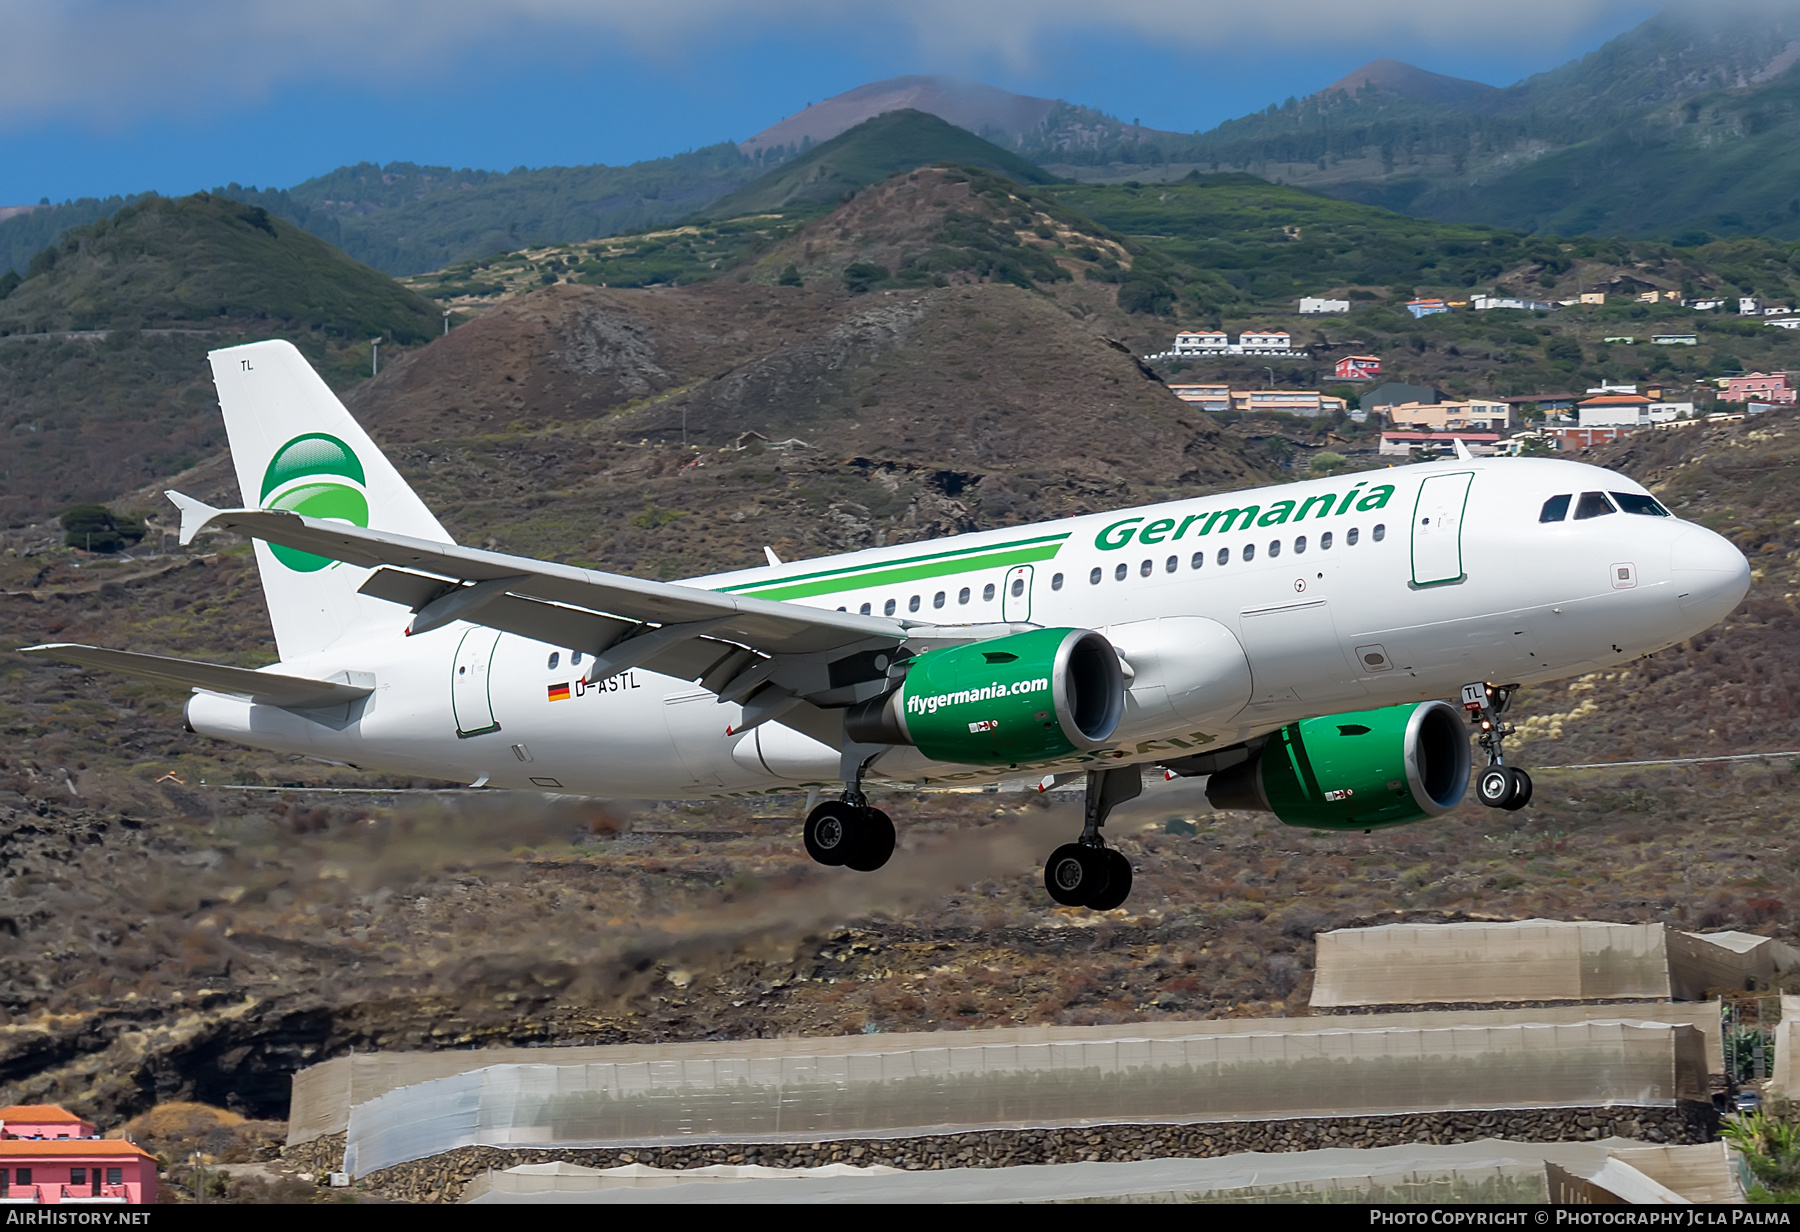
(294, 692)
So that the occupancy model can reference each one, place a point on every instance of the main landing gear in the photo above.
(1498, 785)
(1088, 873)
(850, 832)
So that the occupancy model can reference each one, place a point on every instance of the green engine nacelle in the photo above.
(1022, 698)
(1355, 771)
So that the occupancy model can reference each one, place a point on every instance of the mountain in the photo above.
(1020, 122)
(103, 384)
(404, 219)
(1405, 81)
(1686, 126)
(869, 153)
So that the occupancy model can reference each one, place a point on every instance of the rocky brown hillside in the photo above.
(172, 939)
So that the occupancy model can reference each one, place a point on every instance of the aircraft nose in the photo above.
(1711, 576)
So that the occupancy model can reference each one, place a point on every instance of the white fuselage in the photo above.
(1409, 583)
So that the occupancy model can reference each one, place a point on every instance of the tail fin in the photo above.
(297, 448)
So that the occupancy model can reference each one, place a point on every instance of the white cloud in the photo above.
(105, 61)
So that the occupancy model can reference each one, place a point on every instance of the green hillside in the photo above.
(128, 399)
(1683, 126)
(23, 236)
(868, 154)
(404, 219)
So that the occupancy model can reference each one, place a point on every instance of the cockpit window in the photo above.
(1556, 508)
(1631, 502)
(1592, 505)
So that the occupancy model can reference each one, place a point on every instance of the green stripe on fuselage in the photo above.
(908, 569)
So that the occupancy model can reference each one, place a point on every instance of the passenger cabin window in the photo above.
(575, 658)
(1056, 582)
(1018, 587)
(1249, 552)
(1199, 559)
(962, 596)
(1121, 571)
(1350, 537)
(1172, 564)
(1325, 542)
(1556, 508)
(937, 600)
(555, 658)
(1224, 556)
(912, 604)
(887, 609)
(865, 609)
(1631, 502)
(1300, 544)
(987, 593)
(1147, 568)
(1380, 531)
(1094, 576)
(1274, 548)
(1592, 505)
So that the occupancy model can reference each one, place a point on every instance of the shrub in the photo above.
(95, 528)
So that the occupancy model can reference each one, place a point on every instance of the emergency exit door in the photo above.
(1437, 529)
(470, 695)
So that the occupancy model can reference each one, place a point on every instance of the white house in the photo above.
(1482, 303)
(1308, 306)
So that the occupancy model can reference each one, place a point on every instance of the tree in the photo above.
(95, 528)
(790, 276)
(859, 276)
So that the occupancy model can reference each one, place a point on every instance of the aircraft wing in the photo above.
(473, 580)
(296, 692)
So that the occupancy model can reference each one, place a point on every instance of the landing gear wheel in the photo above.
(1521, 792)
(876, 844)
(1118, 883)
(1495, 787)
(834, 831)
(1075, 875)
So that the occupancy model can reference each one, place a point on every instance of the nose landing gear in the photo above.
(1088, 873)
(1499, 785)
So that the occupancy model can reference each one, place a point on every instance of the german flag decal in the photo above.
(559, 692)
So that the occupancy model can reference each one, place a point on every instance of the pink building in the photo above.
(1358, 368)
(1759, 387)
(48, 1155)
(43, 1121)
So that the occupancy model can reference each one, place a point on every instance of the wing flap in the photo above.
(268, 688)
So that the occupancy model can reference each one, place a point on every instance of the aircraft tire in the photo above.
(1075, 875)
(1118, 883)
(1494, 786)
(1521, 792)
(833, 832)
(876, 845)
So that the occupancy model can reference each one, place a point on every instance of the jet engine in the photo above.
(1021, 698)
(1354, 771)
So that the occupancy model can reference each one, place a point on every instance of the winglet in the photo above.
(769, 554)
(1462, 450)
(195, 514)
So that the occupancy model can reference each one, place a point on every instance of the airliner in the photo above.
(1321, 650)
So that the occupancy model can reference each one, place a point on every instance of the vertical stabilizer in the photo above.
(296, 448)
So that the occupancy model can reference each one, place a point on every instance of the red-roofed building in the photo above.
(49, 1155)
(1358, 368)
(43, 1121)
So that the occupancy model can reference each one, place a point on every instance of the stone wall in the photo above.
(442, 1177)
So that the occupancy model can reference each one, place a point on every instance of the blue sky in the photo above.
(106, 96)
